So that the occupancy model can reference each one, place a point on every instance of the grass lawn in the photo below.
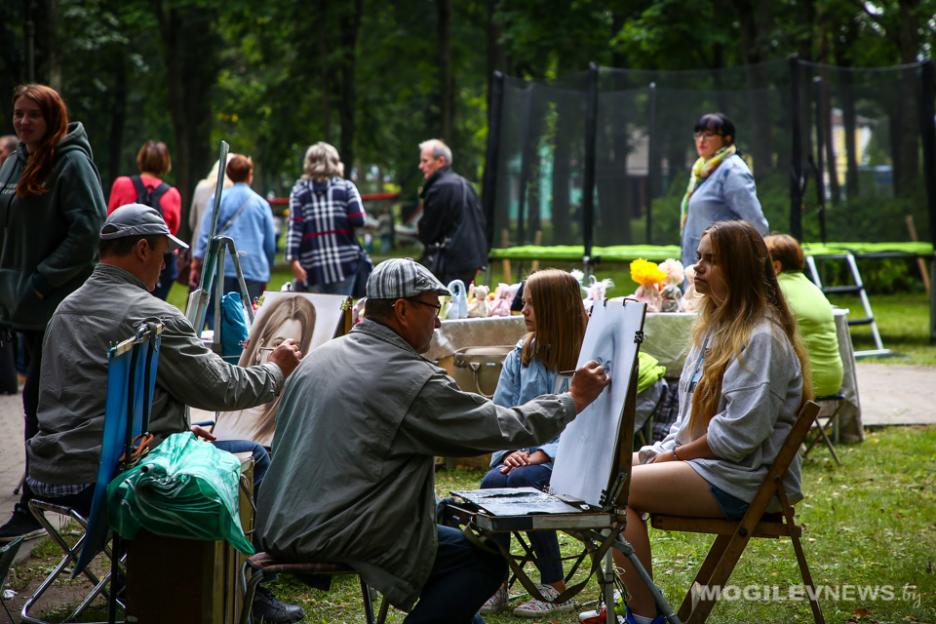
(870, 525)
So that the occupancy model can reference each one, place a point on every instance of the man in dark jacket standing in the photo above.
(452, 225)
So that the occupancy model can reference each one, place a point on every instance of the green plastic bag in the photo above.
(183, 488)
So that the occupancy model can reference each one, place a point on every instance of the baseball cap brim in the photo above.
(176, 243)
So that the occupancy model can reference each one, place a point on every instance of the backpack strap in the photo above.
(157, 195)
(150, 196)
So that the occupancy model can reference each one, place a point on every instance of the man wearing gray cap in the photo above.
(356, 432)
(107, 308)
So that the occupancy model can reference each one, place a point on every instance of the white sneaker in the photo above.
(536, 608)
(496, 603)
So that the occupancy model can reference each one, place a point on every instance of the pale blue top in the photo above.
(518, 384)
(727, 194)
(251, 230)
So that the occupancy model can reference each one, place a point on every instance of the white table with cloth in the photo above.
(666, 337)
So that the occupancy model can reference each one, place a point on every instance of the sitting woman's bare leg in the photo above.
(668, 487)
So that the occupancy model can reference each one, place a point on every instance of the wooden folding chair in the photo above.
(733, 535)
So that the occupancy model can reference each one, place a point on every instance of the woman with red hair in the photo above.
(52, 208)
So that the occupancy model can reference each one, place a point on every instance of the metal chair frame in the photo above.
(39, 508)
(7, 556)
(262, 565)
(822, 423)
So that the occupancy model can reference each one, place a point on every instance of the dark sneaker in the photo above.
(268, 610)
(21, 524)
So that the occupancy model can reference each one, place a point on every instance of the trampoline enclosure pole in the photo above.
(928, 134)
(820, 161)
(796, 172)
(651, 166)
(588, 186)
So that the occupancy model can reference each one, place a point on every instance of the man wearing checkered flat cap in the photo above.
(356, 433)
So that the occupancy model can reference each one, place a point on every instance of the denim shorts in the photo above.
(733, 507)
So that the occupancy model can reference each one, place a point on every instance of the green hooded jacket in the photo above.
(49, 244)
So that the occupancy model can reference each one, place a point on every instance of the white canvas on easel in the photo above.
(586, 457)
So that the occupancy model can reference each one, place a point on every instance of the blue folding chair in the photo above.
(131, 381)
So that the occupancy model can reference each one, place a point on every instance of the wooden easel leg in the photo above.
(705, 571)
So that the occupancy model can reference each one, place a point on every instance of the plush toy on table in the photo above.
(503, 297)
(595, 290)
(478, 301)
(650, 279)
(691, 299)
(671, 295)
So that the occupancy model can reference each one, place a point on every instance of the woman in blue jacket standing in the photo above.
(721, 187)
(52, 210)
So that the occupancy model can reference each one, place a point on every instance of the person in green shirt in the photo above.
(812, 311)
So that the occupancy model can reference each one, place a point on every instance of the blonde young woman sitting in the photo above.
(555, 320)
(739, 393)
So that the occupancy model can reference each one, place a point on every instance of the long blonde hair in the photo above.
(560, 320)
(753, 294)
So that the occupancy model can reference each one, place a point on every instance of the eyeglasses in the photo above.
(437, 306)
(704, 135)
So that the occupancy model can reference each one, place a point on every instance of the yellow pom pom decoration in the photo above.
(646, 273)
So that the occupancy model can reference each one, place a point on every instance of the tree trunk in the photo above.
(48, 46)
(446, 76)
(190, 46)
(496, 57)
(752, 16)
(118, 110)
(323, 42)
(350, 25)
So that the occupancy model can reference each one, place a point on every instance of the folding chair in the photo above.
(733, 535)
(262, 565)
(131, 380)
(827, 418)
(7, 555)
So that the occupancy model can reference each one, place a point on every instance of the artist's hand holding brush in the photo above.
(286, 355)
(587, 384)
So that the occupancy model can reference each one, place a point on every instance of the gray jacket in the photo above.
(352, 478)
(760, 396)
(104, 311)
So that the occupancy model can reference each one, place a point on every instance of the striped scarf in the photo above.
(701, 170)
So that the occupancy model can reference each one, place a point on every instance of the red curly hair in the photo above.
(56, 118)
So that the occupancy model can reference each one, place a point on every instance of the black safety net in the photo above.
(859, 137)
